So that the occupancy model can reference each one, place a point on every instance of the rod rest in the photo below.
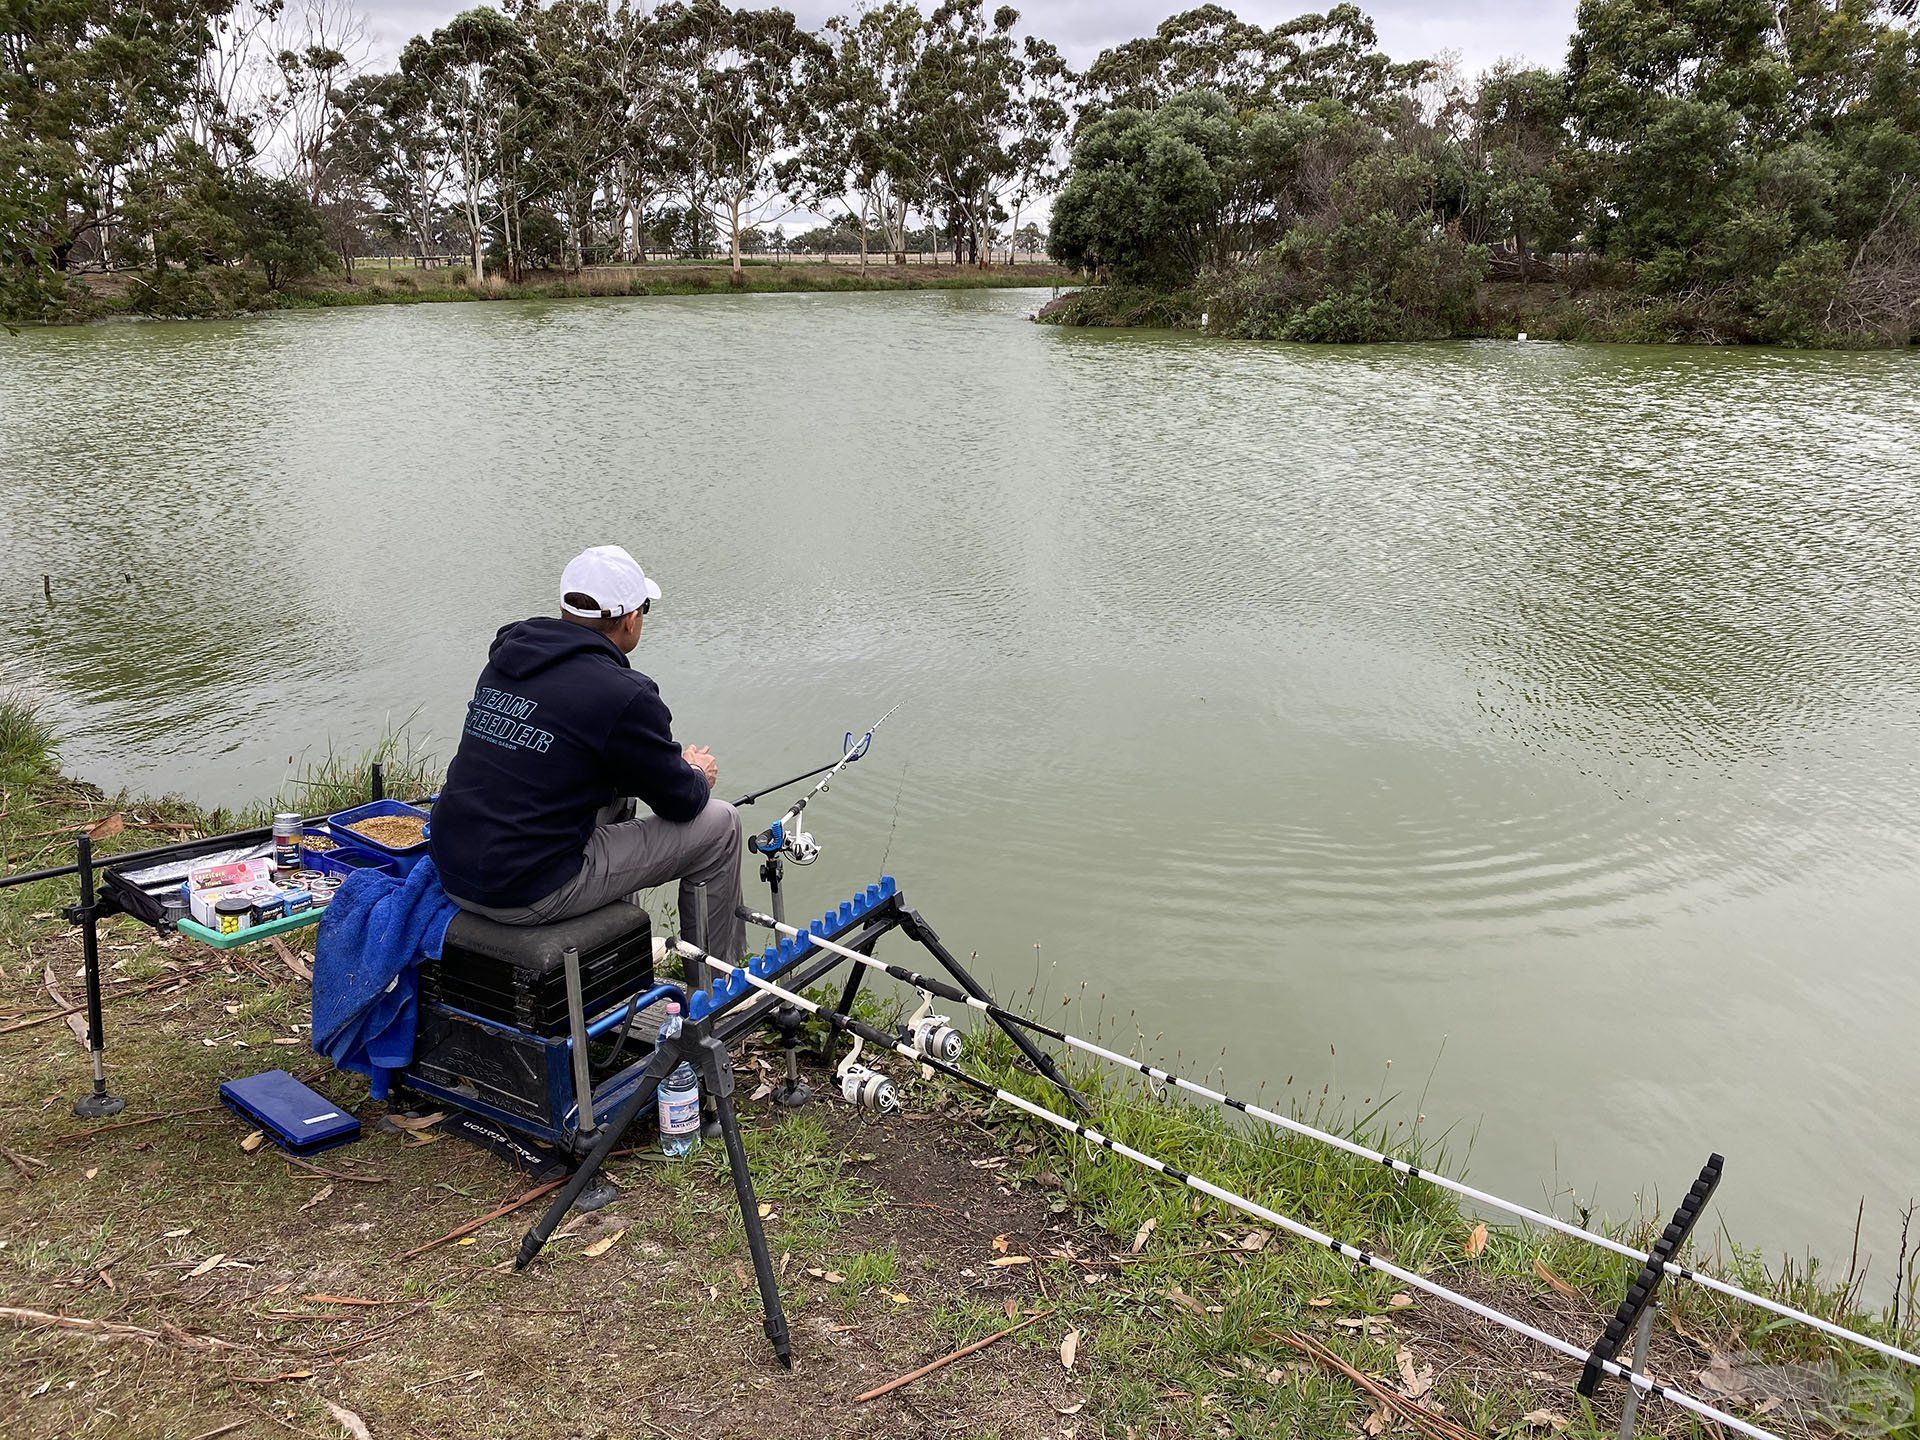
(775, 959)
(1641, 1293)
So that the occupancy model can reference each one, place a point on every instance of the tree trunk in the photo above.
(478, 246)
(739, 276)
(863, 236)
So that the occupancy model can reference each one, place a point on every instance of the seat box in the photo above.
(515, 974)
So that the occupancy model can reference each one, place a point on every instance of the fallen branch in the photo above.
(21, 1162)
(309, 1166)
(461, 1231)
(1429, 1422)
(79, 1135)
(108, 996)
(114, 1330)
(947, 1359)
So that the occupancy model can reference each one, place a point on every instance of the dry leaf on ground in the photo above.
(1544, 1420)
(1140, 1236)
(1069, 1349)
(1005, 1260)
(1415, 1381)
(1477, 1241)
(1180, 1297)
(1540, 1269)
(600, 1247)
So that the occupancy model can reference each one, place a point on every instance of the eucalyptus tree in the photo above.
(1522, 148)
(983, 115)
(469, 75)
(1331, 56)
(91, 91)
(851, 153)
(389, 141)
(733, 104)
(639, 172)
(576, 107)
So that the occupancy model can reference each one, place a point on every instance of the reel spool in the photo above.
(863, 1087)
(868, 1090)
(935, 1037)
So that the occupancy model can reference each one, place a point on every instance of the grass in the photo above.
(234, 292)
(1543, 310)
(884, 1233)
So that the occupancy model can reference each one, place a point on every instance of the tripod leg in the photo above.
(776, 1317)
(664, 1059)
(845, 1007)
(917, 929)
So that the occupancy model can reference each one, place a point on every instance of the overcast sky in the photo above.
(1481, 31)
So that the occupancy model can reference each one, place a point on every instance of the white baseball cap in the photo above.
(611, 578)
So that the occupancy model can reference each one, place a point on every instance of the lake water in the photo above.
(1542, 720)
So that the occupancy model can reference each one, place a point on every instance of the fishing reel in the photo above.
(863, 1087)
(777, 839)
(867, 1089)
(933, 1036)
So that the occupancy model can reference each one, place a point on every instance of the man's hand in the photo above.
(701, 759)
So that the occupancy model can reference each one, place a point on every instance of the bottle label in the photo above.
(679, 1114)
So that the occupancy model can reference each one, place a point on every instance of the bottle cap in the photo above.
(673, 1007)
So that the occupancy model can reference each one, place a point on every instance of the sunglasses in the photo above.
(645, 606)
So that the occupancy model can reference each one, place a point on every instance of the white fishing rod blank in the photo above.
(1351, 1147)
(1644, 1383)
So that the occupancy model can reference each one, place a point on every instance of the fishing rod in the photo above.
(746, 800)
(1641, 1382)
(785, 835)
(930, 985)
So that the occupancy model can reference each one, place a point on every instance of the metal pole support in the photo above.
(1642, 1337)
(577, 1023)
(98, 1104)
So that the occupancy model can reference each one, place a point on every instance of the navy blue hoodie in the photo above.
(558, 726)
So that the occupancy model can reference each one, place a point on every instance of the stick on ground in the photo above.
(947, 1359)
(458, 1231)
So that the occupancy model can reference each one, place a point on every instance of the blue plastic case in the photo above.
(301, 1120)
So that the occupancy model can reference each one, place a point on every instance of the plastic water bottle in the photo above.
(678, 1098)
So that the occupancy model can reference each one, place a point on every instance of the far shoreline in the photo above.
(225, 294)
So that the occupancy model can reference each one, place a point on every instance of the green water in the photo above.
(1538, 719)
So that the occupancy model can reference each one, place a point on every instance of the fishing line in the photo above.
(1644, 1383)
(1159, 1076)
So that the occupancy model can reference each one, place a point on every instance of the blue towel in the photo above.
(366, 993)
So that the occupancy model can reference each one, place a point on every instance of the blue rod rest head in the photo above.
(816, 927)
(697, 1006)
(887, 886)
(873, 895)
(846, 912)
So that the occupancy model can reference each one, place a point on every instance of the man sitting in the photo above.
(533, 825)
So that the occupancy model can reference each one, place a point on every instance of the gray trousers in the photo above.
(626, 854)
